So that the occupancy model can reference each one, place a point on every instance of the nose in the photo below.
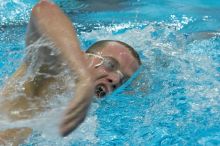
(113, 79)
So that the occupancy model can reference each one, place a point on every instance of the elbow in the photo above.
(43, 5)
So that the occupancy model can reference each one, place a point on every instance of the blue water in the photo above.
(173, 99)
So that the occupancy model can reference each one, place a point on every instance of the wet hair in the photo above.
(98, 46)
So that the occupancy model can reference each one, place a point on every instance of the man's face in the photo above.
(122, 62)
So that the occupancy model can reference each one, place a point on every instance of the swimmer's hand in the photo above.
(77, 109)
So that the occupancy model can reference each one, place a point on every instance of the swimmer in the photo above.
(100, 70)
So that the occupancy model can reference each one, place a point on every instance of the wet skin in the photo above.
(110, 80)
(45, 19)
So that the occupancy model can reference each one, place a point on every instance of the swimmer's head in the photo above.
(98, 46)
(116, 61)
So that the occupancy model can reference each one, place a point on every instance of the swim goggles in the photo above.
(110, 64)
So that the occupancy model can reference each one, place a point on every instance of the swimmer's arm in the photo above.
(15, 136)
(10, 86)
(32, 34)
(51, 22)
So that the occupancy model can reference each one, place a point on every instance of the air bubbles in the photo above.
(181, 76)
(15, 12)
(205, 18)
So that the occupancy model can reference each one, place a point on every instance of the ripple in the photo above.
(174, 99)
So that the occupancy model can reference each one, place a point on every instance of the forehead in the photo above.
(128, 64)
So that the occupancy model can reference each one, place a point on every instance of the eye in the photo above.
(110, 63)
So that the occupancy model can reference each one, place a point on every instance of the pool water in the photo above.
(173, 99)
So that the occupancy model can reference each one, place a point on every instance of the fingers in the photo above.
(77, 110)
(74, 110)
(72, 121)
(74, 116)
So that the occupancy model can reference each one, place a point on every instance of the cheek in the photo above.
(99, 73)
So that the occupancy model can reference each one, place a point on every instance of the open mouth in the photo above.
(100, 90)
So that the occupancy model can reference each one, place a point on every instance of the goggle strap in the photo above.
(98, 56)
